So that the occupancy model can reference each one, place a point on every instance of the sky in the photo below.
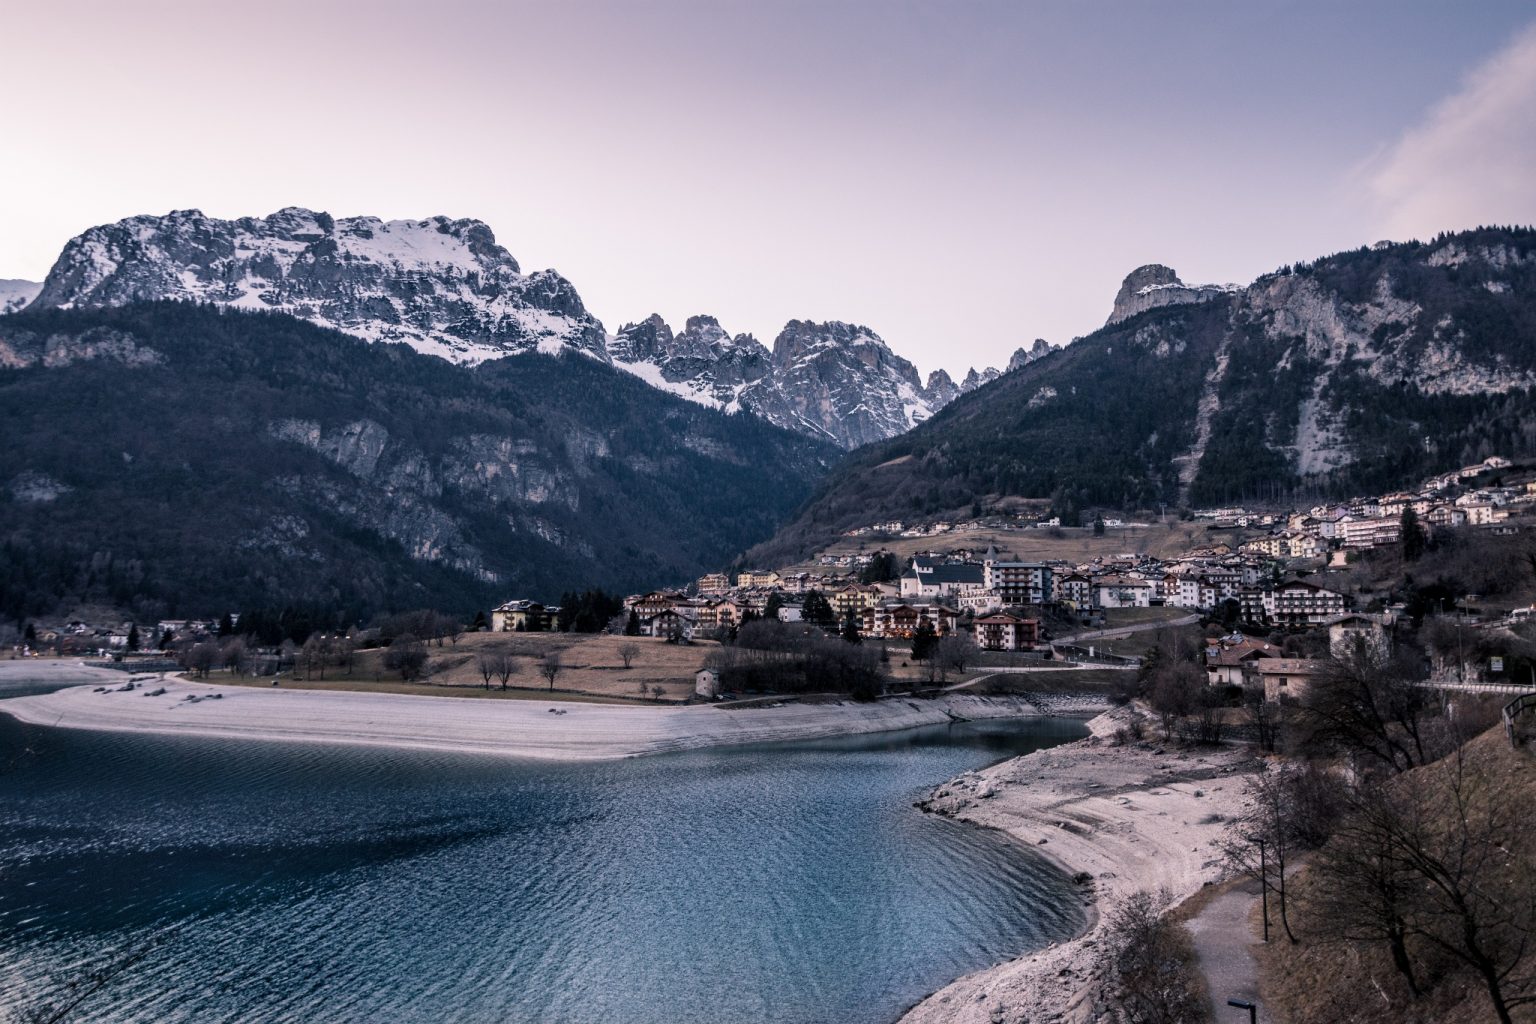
(961, 177)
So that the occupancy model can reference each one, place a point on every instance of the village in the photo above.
(1257, 577)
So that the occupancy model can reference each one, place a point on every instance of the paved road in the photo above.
(1124, 631)
(1065, 669)
(1223, 943)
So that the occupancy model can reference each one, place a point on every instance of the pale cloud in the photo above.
(1472, 160)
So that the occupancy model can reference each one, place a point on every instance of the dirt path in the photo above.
(1223, 942)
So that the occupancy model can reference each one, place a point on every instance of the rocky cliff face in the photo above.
(835, 381)
(1023, 356)
(442, 286)
(702, 362)
(1155, 285)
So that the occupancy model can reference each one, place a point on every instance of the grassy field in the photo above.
(1115, 618)
(1087, 680)
(591, 669)
(1073, 545)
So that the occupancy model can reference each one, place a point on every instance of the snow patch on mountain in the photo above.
(442, 286)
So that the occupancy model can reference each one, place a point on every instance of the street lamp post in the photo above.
(1253, 1011)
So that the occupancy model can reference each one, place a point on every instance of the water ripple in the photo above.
(791, 883)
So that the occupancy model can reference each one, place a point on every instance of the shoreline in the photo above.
(534, 729)
(1122, 819)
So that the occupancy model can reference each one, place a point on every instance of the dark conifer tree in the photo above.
(924, 641)
(1413, 535)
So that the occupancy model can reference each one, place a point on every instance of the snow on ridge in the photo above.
(652, 375)
(445, 287)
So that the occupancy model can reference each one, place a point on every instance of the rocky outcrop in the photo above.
(1155, 285)
(835, 381)
(20, 347)
(442, 286)
(702, 362)
(1023, 357)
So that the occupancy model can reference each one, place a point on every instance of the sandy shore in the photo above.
(524, 728)
(1134, 819)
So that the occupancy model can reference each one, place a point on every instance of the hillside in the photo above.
(181, 459)
(1364, 370)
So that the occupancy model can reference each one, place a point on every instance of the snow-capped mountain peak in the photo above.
(440, 285)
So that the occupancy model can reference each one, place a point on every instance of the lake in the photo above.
(260, 882)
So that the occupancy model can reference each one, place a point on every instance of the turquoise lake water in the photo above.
(788, 883)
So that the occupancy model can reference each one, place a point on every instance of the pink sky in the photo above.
(961, 177)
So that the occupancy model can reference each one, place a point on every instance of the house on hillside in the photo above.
(671, 624)
(1075, 589)
(1357, 632)
(1300, 603)
(1006, 633)
(1229, 664)
(1286, 678)
(1018, 582)
(714, 614)
(904, 619)
(855, 598)
(1121, 592)
(656, 602)
(521, 617)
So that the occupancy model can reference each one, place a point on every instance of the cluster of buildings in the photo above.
(1202, 581)
(1442, 502)
(1239, 660)
(998, 599)
(85, 638)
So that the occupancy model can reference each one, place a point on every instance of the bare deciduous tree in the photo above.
(202, 657)
(1292, 811)
(1373, 706)
(406, 655)
(1265, 717)
(549, 668)
(628, 653)
(235, 655)
(955, 651)
(1153, 979)
(1467, 855)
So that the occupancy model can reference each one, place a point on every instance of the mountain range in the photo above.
(1355, 373)
(369, 414)
(446, 288)
(169, 458)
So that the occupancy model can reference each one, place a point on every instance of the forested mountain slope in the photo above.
(174, 458)
(1360, 371)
